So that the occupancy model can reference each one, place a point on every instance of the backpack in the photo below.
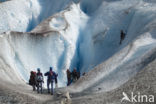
(39, 78)
(52, 75)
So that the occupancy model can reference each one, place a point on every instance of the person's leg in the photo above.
(56, 86)
(38, 87)
(56, 80)
(68, 83)
(41, 88)
(51, 87)
(48, 82)
(74, 79)
(33, 86)
(120, 41)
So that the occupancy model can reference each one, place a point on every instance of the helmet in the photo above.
(51, 68)
(38, 69)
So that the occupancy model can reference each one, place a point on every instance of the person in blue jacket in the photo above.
(51, 77)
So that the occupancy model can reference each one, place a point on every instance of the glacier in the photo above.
(83, 34)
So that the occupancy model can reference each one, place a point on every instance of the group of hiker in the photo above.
(72, 76)
(37, 80)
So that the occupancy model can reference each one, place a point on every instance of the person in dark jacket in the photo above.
(69, 74)
(40, 80)
(32, 80)
(122, 36)
(74, 75)
(51, 77)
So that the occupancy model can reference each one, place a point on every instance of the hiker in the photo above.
(51, 76)
(40, 80)
(122, 36)
(68, 77)
(74, 75)
(32, 80)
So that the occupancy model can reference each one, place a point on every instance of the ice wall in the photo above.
(52, 43)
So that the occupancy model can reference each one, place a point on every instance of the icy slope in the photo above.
(118, 69)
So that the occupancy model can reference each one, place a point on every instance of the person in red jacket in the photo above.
(32, 80)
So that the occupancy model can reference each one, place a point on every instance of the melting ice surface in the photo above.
(82, 35)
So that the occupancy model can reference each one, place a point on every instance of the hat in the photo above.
(51, 68)
(38, 69)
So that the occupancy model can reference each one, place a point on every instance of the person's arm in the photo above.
(46, 74)
(56, 75)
